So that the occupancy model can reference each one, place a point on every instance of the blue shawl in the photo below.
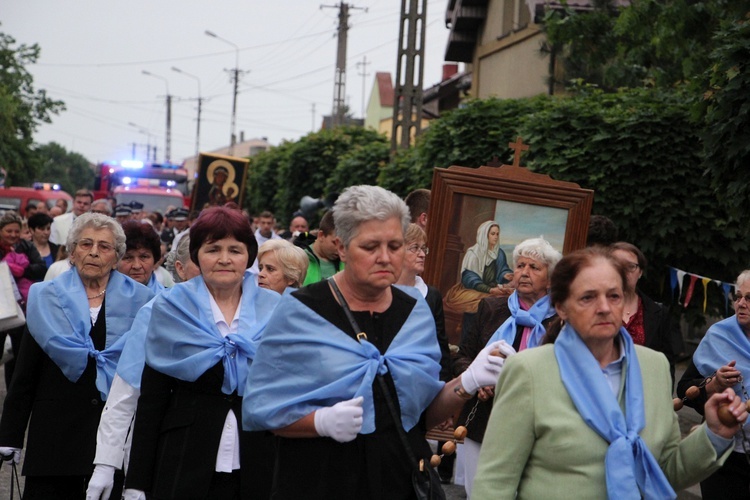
(724, 341)
(183, 341)
(532, 318)
(154, 285)
(305, 363)
(632, 471)
(59, 320)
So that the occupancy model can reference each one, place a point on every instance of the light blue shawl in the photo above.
(58, 318)
(532, 318)
(183, 341)
(305, 363)
(632, 472)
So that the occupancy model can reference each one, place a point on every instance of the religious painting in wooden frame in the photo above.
(476, 218)
(220, 180)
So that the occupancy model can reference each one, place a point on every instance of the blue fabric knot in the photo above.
(230, 348)
(382, 368)
(541, 310)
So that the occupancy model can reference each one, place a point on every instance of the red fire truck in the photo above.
(157, 186)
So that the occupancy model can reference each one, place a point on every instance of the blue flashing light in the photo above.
(126, 180)
(171, 183)
(131, 164)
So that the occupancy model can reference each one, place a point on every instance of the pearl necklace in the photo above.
(97, 295)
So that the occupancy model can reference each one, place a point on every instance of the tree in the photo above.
(649, 43)
(22, 109)
(726, 109)
(71, 170)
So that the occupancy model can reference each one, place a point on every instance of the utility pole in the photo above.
(236, 78)
(338, 114)
(168, 140)
(364, 76)
(407, 99)
(200, 102)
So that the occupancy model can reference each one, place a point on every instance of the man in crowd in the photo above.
(418, 202)
(322, 253)
(265, 231)
(61, 224)
(298, 224)
(123, 213)
(180, 224)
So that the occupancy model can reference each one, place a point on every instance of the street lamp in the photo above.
(168, 144)
(147, 133)
(200, 101)
(236, 78)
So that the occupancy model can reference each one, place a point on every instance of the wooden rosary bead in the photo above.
(678, 404)
(435, 460)
(747, 406)
(449, 447)
(692, 392)
(726, 417)
(496, 352)
(460, 432)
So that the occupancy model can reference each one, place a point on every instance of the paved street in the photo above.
(687, 418)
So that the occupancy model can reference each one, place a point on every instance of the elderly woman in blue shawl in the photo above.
(591, 415)
(187, 438)
(77, 326)
(114, 436)
(142, 254)
(724, 355)
(316, 380)
(520, 320)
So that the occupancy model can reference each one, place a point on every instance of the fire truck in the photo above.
(156, 185)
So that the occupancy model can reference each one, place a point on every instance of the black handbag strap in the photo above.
(383, 386)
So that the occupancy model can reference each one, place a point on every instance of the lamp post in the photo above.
(168, 142)
(144, 130)
(200, 101)
(235, 77)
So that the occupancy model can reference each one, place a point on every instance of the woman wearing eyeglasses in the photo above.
(76, 329)
(415, 241)
(725, 350)
(647, 321)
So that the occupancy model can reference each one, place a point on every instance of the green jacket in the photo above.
(313, 269)
(537, 443)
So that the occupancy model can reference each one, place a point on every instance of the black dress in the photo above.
(372, 466)
(62, 418)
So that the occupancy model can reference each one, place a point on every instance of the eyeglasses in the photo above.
(416, 248)
(631, 266)
(103, 246)
(738, 296)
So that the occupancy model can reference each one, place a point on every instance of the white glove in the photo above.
(131, 494)
(486, 368)
(342, 421)
(101, 482)
(10, 454)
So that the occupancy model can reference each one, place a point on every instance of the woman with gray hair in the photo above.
(281, 265)
(326, 378)
(76, 327)
(519, 320)
(114, 435)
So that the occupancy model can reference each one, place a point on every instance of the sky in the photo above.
(93, 54)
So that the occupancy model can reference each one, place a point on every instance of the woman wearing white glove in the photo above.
(313, 380)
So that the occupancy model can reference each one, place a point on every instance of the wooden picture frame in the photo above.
(524, 204)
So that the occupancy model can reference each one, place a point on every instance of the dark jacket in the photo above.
(37, 268)
(178, 426)
(491, 313)
(62, 416)
(662, 334)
